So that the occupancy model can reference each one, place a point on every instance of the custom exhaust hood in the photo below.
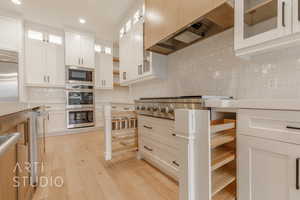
(216, 21)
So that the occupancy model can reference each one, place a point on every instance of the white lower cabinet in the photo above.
(56, 122)
(267, 169)
(268, 151)
(158, 144)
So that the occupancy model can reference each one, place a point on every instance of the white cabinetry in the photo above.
(268, 155)
(264, 25)
(56, 122)
(80, 49)
(267, 169)
(296, 16)
(135, 64)
(158, 144)
(44, 59)
(10, 34)
(104, 70)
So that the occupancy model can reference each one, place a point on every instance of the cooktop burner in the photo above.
(188, 97)
(164, 107)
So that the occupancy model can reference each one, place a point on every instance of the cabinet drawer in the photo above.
(163, 157)
(162, 135)
(271, 124)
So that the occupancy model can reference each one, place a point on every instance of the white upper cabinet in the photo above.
(80, 49)
(10, 34)
(44, 59)
(265, 25)
(135, 64)
(104, 67)
(296, 16)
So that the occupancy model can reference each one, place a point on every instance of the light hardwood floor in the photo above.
(79, 160)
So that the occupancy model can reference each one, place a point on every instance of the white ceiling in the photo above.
(102, 16)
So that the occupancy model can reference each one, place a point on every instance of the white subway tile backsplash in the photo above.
(210, 67)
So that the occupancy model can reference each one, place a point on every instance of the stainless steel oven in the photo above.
(80, 75)
(79, 118)
(80, 96)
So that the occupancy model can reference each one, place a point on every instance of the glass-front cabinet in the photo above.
(259, 21)
(296, 16)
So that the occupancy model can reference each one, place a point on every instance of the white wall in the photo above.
(211, 68)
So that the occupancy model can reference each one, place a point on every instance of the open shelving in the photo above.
(223, 159)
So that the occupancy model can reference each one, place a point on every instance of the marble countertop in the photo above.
(280, 104)
(11, 108)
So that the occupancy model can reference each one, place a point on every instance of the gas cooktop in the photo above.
(164, 107)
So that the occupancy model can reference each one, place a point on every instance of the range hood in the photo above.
(214, 22)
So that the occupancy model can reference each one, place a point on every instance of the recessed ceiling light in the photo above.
(17, 2)
(82, 21)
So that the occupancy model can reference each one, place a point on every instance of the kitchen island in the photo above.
(16, 150)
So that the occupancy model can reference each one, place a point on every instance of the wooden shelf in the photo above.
(121, 138)
(221, 178)
(222, 125)
(227, 193)
(125, 149)
(222, 138)
(116, 59)
(222, 156)
(116, 72)
(119, 85)
(261, 12)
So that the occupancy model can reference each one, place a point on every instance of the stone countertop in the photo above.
(12, 108)
(271, 104)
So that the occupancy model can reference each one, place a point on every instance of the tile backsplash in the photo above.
(210, 67)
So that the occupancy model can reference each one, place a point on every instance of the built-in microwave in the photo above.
(80, 75)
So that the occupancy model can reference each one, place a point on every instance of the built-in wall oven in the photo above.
(80, 75)
(80, 96)
(79, 118)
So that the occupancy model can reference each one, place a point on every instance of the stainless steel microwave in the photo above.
(80, 75)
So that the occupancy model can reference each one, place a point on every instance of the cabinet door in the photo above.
(56, 122)
(88, 51)
(55, 64)
(140, 47)
(106, 63)
(123, 58)
(104, 71)
(258, 21)
(296, 15)
(267, 169)
(35, 62)
(10, 33)
(134, 52)
(73, 46)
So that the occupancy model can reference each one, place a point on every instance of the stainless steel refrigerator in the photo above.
(9, 87)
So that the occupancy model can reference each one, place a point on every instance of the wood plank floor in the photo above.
(79, 160)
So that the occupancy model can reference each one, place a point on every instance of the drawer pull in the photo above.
(176, 164)
(147, 148)
(297, 174)
(292, 127)
(148, 127)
